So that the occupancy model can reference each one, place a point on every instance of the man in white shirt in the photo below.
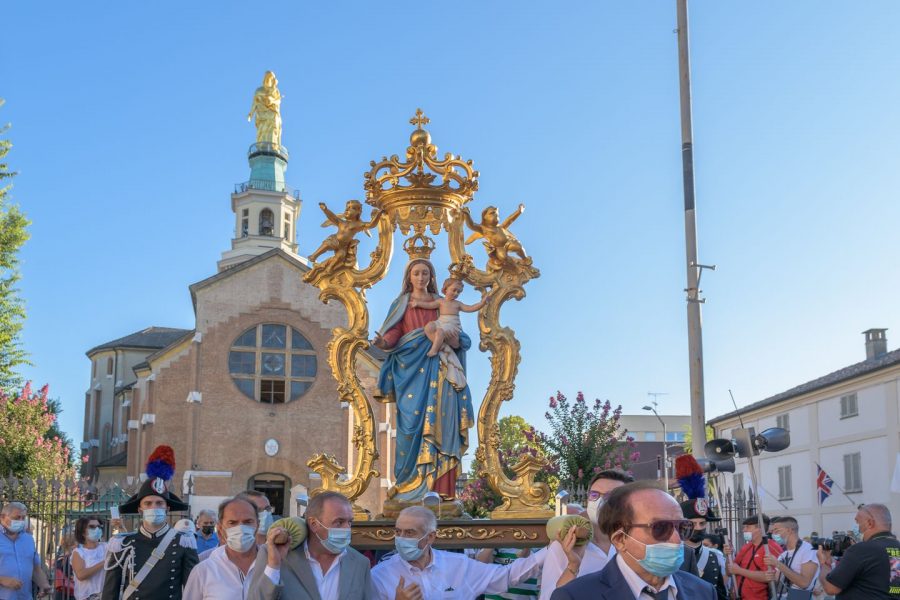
(564, 561)
(225, 575)
(419, 572)
(324, 567)
(797, 566)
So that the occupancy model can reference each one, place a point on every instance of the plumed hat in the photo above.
(692, 482)
(160, 468)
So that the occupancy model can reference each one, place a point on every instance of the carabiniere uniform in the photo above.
(150, 566)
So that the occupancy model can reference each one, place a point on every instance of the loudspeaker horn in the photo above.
(720, 466)
(719, 450)
(774, 439)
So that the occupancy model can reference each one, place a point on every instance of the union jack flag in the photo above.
(823, 484)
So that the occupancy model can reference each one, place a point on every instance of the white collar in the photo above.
(161, 532)
(311, 558)
(636, 584)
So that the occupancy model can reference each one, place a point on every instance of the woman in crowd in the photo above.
(88, 558)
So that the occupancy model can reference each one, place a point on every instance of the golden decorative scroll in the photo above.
(424, 194)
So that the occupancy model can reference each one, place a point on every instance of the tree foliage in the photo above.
(517, 438)
(28, 447)
(689, 438)
(584, 440)
(13, 234)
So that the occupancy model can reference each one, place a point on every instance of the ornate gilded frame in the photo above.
(426, 195)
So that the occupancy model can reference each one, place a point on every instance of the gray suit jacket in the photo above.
(298, 582)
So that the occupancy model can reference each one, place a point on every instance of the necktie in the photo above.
(660, 595)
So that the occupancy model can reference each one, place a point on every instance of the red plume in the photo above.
(161, 463)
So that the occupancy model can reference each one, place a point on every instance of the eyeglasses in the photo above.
(662, 530)
(595, 495)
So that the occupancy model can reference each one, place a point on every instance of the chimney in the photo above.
(876, 343)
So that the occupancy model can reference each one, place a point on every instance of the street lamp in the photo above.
(665, 450)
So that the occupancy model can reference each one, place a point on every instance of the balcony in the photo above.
(266, 185)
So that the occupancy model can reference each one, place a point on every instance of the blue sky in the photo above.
(129, 132)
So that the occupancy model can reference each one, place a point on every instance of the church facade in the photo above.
(246, 397)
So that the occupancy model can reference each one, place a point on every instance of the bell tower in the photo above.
(265, 208)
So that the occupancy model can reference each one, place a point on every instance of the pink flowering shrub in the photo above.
(584, 440)
(25, 448)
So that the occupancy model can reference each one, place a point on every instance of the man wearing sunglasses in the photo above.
(647, 528)
(564, 560)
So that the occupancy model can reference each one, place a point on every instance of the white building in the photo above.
(848, 422)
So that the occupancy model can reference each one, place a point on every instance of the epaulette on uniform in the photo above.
(187, 541)
(117, 541)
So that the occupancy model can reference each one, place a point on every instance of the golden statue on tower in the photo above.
(267, 108)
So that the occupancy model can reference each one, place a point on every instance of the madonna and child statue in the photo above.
(424, 368)
(425, 375)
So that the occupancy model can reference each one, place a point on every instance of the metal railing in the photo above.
(266, 185)
(55, 506)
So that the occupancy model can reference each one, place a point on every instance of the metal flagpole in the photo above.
(695, 335)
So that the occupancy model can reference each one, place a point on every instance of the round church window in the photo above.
(272, 363)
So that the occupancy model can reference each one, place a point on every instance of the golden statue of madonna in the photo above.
(423, 373)
(267, 108)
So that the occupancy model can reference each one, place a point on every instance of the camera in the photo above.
(722, 531)
(837, 544)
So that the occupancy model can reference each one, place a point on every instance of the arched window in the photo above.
(109, 366)
(272, 363)
(266, 222)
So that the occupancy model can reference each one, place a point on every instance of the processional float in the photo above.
(418, 196)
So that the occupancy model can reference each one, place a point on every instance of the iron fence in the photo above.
(53, 508)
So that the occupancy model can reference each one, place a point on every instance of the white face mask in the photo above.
(593, 509)
(94, 534)
(240, 538)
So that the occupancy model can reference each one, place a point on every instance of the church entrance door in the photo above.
(275, 488)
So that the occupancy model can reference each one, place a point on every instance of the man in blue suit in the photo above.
(646, 526)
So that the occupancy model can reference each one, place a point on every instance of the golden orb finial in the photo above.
(419, 136)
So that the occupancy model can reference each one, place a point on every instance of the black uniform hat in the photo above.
(160, 468)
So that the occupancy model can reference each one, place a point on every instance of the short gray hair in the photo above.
(422, 513)
(10, 506)
(880, 513)
(206, 512)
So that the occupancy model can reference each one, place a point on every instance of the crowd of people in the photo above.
(643, 544)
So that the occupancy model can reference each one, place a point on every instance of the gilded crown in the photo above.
(419, 246)
(421, 184)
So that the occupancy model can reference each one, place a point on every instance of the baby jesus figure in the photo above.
(447, 326)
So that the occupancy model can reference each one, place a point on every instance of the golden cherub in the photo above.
(343, 243)
(500, 243)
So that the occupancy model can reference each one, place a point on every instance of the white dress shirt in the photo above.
(217, 578)
(594, 560)
(452, 576)
(638, 585)
(326, 582)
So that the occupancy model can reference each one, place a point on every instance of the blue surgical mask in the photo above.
(94, 534)
(240, 538)
(778, 539)
(154, 516)
(16, 526)
(337, 540)
(748, 536)
(265, 521)
(661, 559)
(408, 548)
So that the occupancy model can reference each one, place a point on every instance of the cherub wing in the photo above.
(475, 235)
